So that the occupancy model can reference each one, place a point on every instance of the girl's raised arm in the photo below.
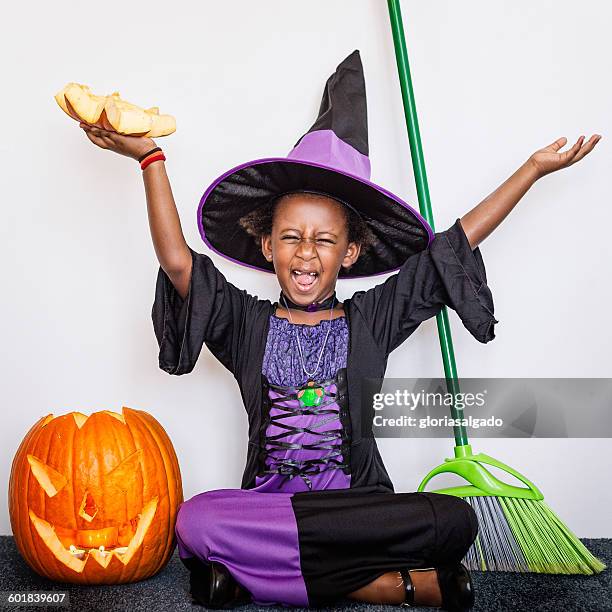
(170, 246)
(194, 303)
(168, 241)
(479, 222)
(451, 270)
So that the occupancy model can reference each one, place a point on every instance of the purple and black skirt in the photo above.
(302, 536)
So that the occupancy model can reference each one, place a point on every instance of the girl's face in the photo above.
(309, 235)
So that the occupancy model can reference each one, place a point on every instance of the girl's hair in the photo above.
(258, 222)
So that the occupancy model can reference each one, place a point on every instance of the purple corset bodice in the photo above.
(304, 437)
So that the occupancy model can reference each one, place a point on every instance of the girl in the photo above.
(334, 526)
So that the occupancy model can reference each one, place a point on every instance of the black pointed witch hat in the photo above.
(332, 158)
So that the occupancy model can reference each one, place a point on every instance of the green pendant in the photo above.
(312, 396)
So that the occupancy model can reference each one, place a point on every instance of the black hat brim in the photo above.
(400, 231)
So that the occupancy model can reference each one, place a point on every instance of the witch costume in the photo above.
(316, 516)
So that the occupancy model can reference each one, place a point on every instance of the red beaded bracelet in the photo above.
(151, 158)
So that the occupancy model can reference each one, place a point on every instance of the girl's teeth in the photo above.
(304, 280)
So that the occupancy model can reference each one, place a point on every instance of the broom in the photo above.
(518, 532)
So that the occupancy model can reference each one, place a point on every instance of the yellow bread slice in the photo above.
(86, 105)
(127, 118)
(61, 99)
(112, 113)
(59, 96)
(162, 125)
(103, 121)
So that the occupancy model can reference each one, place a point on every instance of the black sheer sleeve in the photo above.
(211, 313)
(447, 272)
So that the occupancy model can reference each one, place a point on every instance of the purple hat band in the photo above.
(324, 147)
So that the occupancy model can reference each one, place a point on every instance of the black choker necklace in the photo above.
(330, 302)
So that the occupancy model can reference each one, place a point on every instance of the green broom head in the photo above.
(517, 532)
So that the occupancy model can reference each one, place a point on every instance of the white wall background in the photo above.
(494, 81)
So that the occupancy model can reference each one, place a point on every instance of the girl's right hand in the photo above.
(130, 146)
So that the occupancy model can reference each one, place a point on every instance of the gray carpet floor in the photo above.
(169, 589)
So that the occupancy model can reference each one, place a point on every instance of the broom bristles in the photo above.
(522, 535)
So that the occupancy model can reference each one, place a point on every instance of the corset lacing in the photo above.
(303, 467)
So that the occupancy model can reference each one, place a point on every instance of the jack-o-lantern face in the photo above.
(94, 499)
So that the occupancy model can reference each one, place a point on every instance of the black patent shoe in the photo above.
(455, 587)
(213, 586)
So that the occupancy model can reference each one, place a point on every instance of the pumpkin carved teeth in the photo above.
(76, 557)
(79, 553)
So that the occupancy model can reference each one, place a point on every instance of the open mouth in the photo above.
(73, 547)
(304, 281)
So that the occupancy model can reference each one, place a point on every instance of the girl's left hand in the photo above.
(549, 159)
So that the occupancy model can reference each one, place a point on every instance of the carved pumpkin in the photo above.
(112, 113)
(93, 499)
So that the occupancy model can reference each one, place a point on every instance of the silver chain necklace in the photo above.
(310, 374)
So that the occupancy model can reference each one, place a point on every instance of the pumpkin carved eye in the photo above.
(48, 478)
(123, 475)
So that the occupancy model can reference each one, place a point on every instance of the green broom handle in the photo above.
(418, 166)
